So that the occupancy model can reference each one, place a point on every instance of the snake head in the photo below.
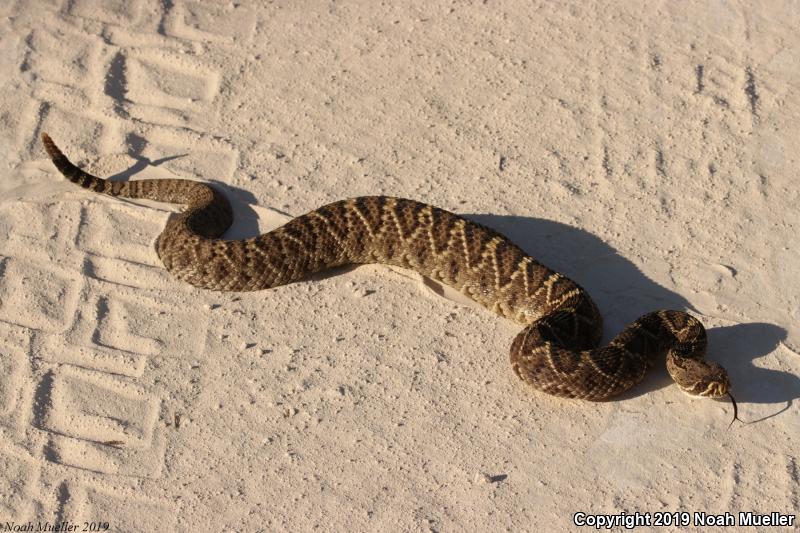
(699, 378)
(715, 387)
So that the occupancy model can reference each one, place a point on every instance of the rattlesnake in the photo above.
(557, 351)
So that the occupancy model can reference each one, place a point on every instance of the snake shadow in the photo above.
(245, 222)
(624, 293)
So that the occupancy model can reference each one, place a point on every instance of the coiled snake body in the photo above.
(557, 351)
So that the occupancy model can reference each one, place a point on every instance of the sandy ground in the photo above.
(647, 150)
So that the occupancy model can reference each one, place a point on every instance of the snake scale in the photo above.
(557, 352)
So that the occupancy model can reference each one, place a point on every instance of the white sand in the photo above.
(650, 153)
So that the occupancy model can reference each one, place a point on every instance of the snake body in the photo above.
(557, 352)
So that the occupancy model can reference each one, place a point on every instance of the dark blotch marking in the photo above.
(370, 213)
(565, 361)
(609, 360)
(406, 216)
(441, 226)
